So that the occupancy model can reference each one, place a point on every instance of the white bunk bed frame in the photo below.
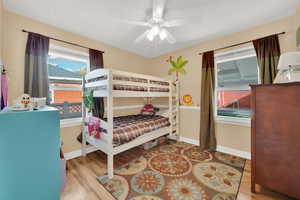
(104, 88)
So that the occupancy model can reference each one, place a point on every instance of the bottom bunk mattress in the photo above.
(127, 128)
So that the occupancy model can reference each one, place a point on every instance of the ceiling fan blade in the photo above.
(181, 22)
(173, 23)
(158, 9)
(170, 38)
(141, 37)
(138, 23)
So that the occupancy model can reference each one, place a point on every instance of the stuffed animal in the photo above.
(148, 109)
(25, 100)
(94, 127)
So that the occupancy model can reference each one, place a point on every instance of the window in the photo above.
(66, 68)
(235, 71)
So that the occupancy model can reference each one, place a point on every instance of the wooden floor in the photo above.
(82, 183)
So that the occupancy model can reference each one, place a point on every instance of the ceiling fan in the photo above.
(158, 26)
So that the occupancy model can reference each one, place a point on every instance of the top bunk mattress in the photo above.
(133, 87)
(127, 128)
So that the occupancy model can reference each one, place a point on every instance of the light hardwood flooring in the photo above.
(82, 183)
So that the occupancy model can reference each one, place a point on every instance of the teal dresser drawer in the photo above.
(29, 155)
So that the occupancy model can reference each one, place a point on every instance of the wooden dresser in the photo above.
(275, 140)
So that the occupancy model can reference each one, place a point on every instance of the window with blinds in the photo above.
(235, 71)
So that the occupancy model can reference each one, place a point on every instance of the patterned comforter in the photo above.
(127, 128)
(139, 88)
(135, 88)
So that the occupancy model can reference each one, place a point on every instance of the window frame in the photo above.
(68, 53)
(227, 119)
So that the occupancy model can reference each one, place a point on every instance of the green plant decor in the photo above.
(177, 66)
(88, 100)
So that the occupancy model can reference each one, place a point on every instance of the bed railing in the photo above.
(137, 83)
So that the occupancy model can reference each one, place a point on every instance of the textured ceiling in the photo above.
(101, 19)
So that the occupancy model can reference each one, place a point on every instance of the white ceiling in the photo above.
(101, 19)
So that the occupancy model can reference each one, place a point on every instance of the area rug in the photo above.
(177, 171)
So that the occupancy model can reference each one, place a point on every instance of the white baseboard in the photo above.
(184, 139)
(242, 154)
(78, 153)
(190, 141)
(231, 151)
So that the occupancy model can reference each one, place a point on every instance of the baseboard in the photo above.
(190, 141)
(184, 139)
(78, 153)
(231, 151)
(242, 154)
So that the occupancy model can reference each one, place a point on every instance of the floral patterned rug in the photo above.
(177, 171)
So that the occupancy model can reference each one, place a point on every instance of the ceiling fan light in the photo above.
(155, 30)
(150, 36)
(163, 35)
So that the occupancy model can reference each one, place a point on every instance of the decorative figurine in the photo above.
(25, 100)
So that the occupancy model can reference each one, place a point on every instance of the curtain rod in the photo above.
(234, 45)
(74, 44)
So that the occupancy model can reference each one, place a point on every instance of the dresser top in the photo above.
(45, 109)
(276, 84)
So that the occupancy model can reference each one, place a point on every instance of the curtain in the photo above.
(207, 126)
(3, 90)
(96, 62)
(36, 81)
(268, 53)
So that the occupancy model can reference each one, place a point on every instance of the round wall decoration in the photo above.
(187, 100)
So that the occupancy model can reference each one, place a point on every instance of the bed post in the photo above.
(110, 155)
(171, 107)
(83, 130)
(177, 109)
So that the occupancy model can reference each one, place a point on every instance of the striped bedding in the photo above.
(127, 128)
(139, 88)
(135, 88)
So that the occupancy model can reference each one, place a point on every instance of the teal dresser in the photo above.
(30, 167)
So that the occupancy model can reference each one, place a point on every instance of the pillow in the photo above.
(148, 109)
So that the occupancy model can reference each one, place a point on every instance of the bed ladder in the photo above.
(174, 109)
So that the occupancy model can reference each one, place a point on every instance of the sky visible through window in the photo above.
(68, 64)
(65, 80)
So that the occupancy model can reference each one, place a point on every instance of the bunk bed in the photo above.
(122, 133)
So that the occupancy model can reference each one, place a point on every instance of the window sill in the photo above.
(64, 123)
(234, 121)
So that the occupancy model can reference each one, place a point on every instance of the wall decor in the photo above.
(177, 66)
(187, 100)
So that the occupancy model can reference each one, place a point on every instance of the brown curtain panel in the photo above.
(36, 81)
(268, 53)
(207, 125)
(96, 62)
